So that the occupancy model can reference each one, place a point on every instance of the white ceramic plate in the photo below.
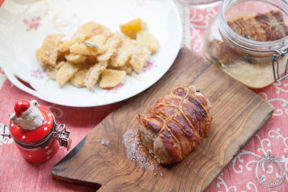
(25, 23)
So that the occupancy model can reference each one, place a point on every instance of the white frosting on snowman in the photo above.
(29, 119)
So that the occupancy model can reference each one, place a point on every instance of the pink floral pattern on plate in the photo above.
(32, 23)
(115, 89)
(149, 65)
(38, 73)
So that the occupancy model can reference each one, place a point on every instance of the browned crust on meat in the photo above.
(179, 120)
(263, 27)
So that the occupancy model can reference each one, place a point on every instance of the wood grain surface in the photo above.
(237, 111)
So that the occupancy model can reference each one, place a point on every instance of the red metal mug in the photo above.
(35, 131)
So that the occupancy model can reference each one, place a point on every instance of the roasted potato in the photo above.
(111, 78)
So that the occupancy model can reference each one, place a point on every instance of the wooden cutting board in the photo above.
(101, 158)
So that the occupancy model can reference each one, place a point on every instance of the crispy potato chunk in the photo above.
(91, 29)
(126, 68)
(79, 78)
(95, 55)
(123, 54)
(65, 46)
(65, 73)
(139, 57)
(82, 49)
(48, 53)
(149, 40)
(85, 32)
(51, 73)
(111, 78)
(59, 65)
(112, 44)
(75, 58)
(132, 27)
(91, 60)
(97, 41)
(93, 75)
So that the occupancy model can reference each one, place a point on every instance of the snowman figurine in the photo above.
(35, 132)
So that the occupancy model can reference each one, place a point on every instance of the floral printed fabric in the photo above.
(261, 165)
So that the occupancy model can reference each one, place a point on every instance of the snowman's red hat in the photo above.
(27, 114)
(21, 106)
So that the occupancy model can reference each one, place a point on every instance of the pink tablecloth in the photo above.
(16, 174)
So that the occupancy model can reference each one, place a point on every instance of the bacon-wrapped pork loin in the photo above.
(175, 124)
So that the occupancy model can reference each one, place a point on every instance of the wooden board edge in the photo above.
(209, 180)
(72, 153)
(56, 172)
(78, 182)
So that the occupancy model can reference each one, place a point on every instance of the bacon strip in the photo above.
(175, 124)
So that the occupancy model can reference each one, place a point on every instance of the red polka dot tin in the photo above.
(35, 132)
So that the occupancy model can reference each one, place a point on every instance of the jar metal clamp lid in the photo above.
(60, 133)
(33, 125)
(275, 63)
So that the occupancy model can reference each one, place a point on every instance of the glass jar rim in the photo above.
(245, 43)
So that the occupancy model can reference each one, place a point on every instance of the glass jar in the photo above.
(256, 63)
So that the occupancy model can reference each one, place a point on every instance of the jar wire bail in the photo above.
(275, 64)
(5, 132)
(62, 135)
